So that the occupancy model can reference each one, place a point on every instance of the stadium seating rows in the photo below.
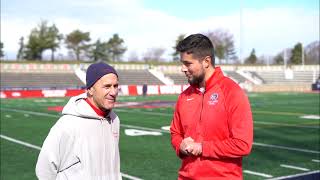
(53, 79)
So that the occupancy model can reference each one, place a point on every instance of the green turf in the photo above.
(276, 122)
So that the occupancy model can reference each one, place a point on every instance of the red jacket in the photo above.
(221, 119)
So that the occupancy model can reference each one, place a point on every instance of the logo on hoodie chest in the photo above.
(213, 100)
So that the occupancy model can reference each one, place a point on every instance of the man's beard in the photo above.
(196, 80)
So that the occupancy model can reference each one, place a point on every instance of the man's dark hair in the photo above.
(197, 44)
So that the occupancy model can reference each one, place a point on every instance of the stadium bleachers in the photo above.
(178, 78)
(56, 76)
(26, 80)
(137, 77)
(278, 77)
(256, 75)
(235, 76)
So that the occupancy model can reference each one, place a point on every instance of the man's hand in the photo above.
(185, 145)
(195, 149)
(189, 147)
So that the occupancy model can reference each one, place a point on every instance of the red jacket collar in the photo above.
(97, 110)
(215, 77)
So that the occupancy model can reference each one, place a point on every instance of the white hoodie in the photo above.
(81, 145)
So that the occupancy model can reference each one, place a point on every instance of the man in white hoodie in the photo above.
(83, 144)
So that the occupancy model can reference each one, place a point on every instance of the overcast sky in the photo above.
(268, 26)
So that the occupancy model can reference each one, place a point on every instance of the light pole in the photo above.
(285, 59)
(302, 56)
(241, 33)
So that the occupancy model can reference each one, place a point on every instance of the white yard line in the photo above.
(144, 128)
(39, 148)
(315, 160)
(294, 167)
(30, 112)
(142, 112)
(20, 142)
(160, 130)
(130, 177)
(287, 148)
(170, 115)
(255, 122)
(295, 175)
(284, 124)
(258, 174)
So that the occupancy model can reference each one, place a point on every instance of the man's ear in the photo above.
(206, 61)
(90, 91)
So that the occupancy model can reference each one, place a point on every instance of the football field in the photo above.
(286, 135)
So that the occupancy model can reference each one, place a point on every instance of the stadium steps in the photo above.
(235, 76)
(178, 79)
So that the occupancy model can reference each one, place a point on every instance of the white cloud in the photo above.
(271, 30)
(266, 30)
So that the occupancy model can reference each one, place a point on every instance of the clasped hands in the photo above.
(189, 147)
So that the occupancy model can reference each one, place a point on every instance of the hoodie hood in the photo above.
(77, 106)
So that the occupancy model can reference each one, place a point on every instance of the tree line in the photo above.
(47, 37)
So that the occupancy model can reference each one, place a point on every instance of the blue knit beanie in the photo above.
(96, 71)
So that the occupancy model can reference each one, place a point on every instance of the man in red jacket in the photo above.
(212, 127)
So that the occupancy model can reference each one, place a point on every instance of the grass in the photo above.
(276, 122)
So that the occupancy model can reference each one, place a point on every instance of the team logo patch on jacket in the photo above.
(213, 99)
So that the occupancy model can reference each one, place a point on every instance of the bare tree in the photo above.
(223, 43)
(312, 52)
(154, 54)
(133, 56)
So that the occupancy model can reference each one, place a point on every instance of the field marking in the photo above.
(310, 117)
(315, 160)
(295, 175)
(39, 148)
(31, 112)
(20, 142)
(284, 124)
(142, 112)
(167, 128)
(170, 115)
(279, 113)
(160, 130)
(287, 148)
(294, 167)
(130, 177)
(144, 128)
(139, 132)
(258, 174)
(255, 122)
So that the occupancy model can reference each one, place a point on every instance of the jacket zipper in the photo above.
(102, 135)
(202, 98)
(200, 122)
